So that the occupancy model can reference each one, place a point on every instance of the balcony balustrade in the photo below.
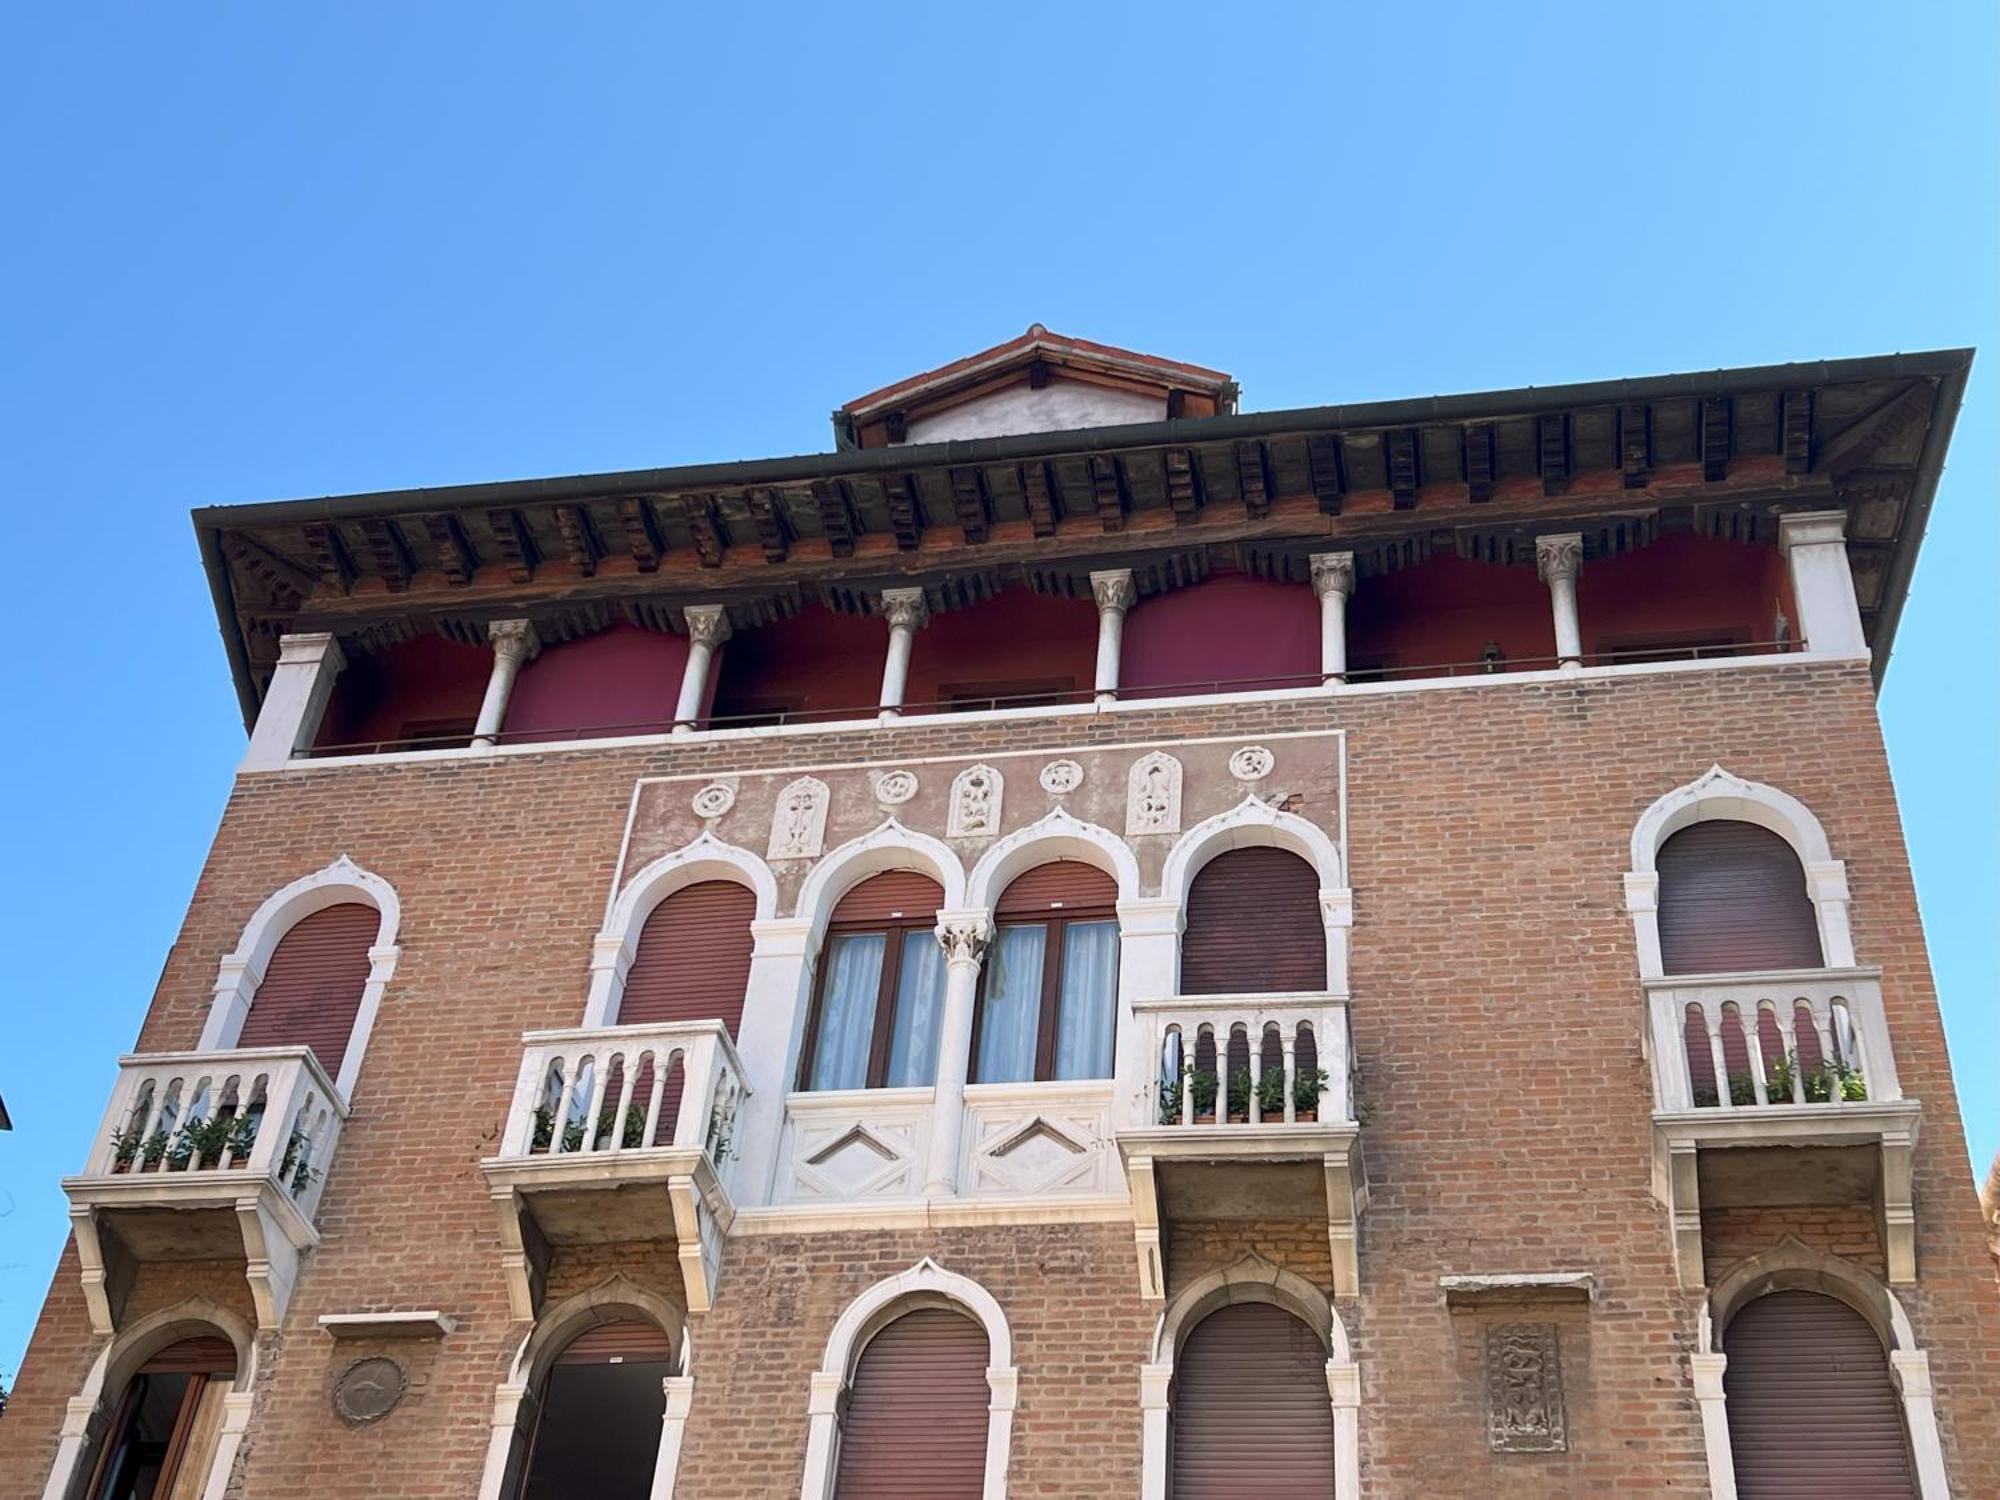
(1797, 1061)
(1246, 1111)
(206, 1155)
(619, 1133)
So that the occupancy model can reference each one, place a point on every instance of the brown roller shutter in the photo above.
(1733, 897)
(1811, 1410)
(1060, 885)
(895, 895)
(1251, 1414)
(1253, 926)
(693, 958)
(631, 1342)
(916, 1417)
(209, 1354)
(312, 986)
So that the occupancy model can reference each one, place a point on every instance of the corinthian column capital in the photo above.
(1559, 556)
(1333, 573)
(707, 625)
(514, 641)
(905, 608)
(1113, 590)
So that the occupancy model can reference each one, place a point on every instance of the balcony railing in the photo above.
(263, 1114)
(613, 1092)
(1741, 1042)
(1248, 1060)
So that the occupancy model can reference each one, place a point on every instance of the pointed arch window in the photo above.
(161, 1442)
(596, 1421)
(313, 985)
(1733, 898)
(1047, 1003)
(879, 995)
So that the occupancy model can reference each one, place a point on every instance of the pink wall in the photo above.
(818, 661)
(1229, 628)
(620, 681)
(1684, 585)
(1444, 611)
(388, 697)
(1017, 638)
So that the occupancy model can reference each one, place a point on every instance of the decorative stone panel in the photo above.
(1524, 1397)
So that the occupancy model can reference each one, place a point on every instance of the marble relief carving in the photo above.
(894, 788)
(1524, 1398)
(975, 804)
(1153, 795)
(715, 799)
(798, 826)
(1251, 763)
(1061, 777)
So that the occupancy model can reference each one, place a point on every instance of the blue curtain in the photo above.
(1012, 1006)
(1089, 992)
(847, 1010)
(913, 1042)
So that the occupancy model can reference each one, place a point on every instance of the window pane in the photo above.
(1012, 1006)
(913, 1045)
(1084, 1008)
(847, 1010)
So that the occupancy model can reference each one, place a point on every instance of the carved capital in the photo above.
(905, 609)
(964, 939)
(1559, 556)
(1333, 573)
(1113, 590)
(513, 640)
(708, 625)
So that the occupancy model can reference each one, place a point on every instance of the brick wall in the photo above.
(1496, 1018)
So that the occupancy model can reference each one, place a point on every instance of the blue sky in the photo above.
(254, 252)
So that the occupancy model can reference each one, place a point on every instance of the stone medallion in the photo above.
(1060, 776)
(715, 799)
(894, 788)
(368, 1389)
(1251, 763)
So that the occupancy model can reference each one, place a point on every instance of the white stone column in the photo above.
(1154, 1383)
(1815, 547)
(907, 613)
(1333, 582)
(1707, 1371)
(1559, 559)
(768, 1042)
(74, 1436)
(708, 628)
(963, 936)
(822, 1434)
(296, 700)
(1149, 957)
(514, 643)
(1343, 1389)
(500, 1439)
(679, 1391)
(236, 1408)
(1114, 592)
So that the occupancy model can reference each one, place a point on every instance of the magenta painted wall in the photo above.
(620, 681)
(429, 680)
(1016, 637)
(1227, 628)
(817, 660)
(1444, 611)
(1684, 585)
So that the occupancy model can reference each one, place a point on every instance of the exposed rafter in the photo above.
(706, 528)
(455, 557)
(330, 555)
(1038, 490)
(515, 543)
(1861, 444)
(1183, 490)
(1479, 466)
(1329, 480)
(906, 513)
(1552, 451)
(1796, 433)
(1107, 492)
(774, 526)
(1399, 457)
(1635, 444)
(284, 578)
(1715, 439)
(969, 503)
(836, 515)
(580, 539)
(1252, 482)
(389, 551)
(642, 532)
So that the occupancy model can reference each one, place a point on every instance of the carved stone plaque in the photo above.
(1524, 1398)
(368, 1389)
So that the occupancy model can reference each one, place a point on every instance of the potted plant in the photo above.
(1203, 1084)
(1170, 1102)
(1306, 1086)
(1271, 1095)
(1239, 1096)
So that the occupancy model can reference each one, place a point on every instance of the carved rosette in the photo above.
(1524, 1397)
(1061, 777)
(715, 799)
(1252, 763)
(975, 804)
(894, 788)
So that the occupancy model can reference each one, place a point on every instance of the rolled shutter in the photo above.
(916, 1417)
(1060, 885)
(1733, 898)
(1253, 926)
(693, 958)
(312, 986)
(628, 1342)
(206, 1354)
(1251, 1414)
(1811, 1409)
(893, 896)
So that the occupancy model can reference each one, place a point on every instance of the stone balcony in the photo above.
(1248, 1114)
(1778, 1089)
(206, 1156)
(619, 1133)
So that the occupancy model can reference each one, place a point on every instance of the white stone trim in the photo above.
(1814, 544)
(617, 944)
(1254, 822)
(1055, 835)
(926, 1284)
(294, 704)
(1251, 1279)
(614, 1299)
(1714, 794)
(121, 1357)
(242, 970)
(889, 846)
(1795, 1266)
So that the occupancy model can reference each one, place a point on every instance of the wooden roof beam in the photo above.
(642, 532)
(1795, 429)
(1253, 479)
(455, 557)
(1107, 492)
(1183, 487)
(516, 543)
(1552, 455)
(906, 514)
(706, 528)
(774, 525)
(391, 553)
(1399, 453)
(969, 500)
(1635, 444)
(1038, 487)
(330, 555)
(1715, 439)
(1329, 482)
(1480, 468)
(836, 515)
(581, 542)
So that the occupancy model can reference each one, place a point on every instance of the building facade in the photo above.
(1082, 943)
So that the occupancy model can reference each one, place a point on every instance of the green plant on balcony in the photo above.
(129, 1146)
(296, 1169)
(634, 1133)
(202, 1142)
(1307, 1085)
(1239, 1093)
(1203, 1085)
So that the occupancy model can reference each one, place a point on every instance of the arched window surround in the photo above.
(1251, 1279)
(1717, 793)
(926, 1284)
(1056, 835)
(1795, 1266)
(242, 970)
(88, 1411)
(614, 1299)
(617, 943)
(1254, 822)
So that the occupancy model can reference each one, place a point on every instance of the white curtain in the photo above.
(913, 1042)
(847, 1010)
(1012, 1006)
(1084, 1010)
